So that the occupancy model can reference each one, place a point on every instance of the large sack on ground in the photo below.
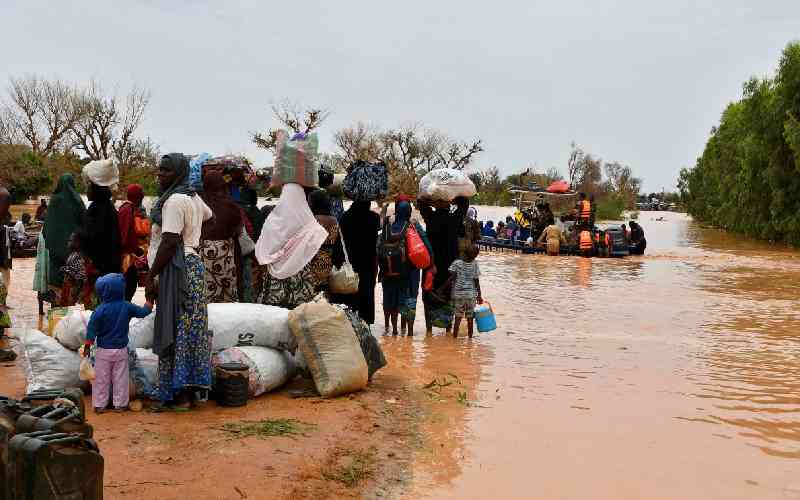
(46, 363)
(330, 348)
(71, 330)
(143, 368)
(296, 160)
(269, 368)
(444, 184)
(373, 354)
(233, 324)
(140, 332)
(240, 324)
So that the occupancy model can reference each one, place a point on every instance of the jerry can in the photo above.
(484, 317)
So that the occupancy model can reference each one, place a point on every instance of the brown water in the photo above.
(673, 375)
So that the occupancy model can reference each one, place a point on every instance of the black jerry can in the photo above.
(45, 465)
(44, 397)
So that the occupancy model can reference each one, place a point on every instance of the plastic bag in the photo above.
(417, 251)
(366, 181)
(46, 363)
(86, 370)
(330, 348)
(140, 332)
(295, 160)
(427, 281)
(143, 368)
(71, 330)
(444, 184)
(269, 368)
(343, 280)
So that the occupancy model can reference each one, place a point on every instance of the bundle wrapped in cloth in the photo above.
(101, 172)
(296, 160)
(444, 184)
(366, 181)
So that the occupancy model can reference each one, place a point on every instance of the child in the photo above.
(466, 289)
(109, 325)
(74, 271)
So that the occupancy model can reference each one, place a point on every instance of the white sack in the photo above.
(101, 172)
(444, 184)
(144, 374)
(71, 330)
(269, 369)
(140, 332)
(241, 324)
(47, 364)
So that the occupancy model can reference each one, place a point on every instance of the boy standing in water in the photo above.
(464, 276)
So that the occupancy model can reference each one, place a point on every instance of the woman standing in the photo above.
(133, 232)
(400, 292)
(66, 213)
(442, 228)
(219, 249)
(359, 228)
(102, 242)
(181, 338)
(289, 241)
(322, 263)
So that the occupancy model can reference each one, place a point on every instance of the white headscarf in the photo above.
(472, 213)
(291, 236)
(101, 172)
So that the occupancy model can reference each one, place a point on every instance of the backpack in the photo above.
(392, 251)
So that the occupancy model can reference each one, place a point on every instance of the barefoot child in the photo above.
(74, 271)
(109, 327)
(466, 288)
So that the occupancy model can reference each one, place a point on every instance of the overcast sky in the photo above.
(640, 82)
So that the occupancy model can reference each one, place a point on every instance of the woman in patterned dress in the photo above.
(219, 248)
(181, 338)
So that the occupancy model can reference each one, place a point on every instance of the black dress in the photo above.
(359, 228)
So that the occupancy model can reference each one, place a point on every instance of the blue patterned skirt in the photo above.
(189, 365)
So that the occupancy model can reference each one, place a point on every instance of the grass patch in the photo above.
(264, 429)
(350, 467)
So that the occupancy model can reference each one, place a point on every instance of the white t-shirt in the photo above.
(184, 215)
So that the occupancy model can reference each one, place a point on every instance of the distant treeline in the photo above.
(748, 178)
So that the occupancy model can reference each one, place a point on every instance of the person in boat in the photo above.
(41, 210)
(553, 238)
(488, 230)
(583, 211)
(637, 240)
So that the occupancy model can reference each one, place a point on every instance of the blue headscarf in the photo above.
(402, 214)
(178, 163)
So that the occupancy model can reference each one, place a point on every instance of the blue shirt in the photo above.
(108, 326)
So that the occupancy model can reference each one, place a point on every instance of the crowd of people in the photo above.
(199, 245)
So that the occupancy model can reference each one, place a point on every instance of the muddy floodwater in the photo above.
(672, 375)
(675, 375)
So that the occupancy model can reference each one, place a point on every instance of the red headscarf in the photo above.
(402, 197)
(135, 194)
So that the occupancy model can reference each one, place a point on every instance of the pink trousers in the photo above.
(111, 371)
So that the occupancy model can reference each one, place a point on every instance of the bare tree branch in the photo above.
(292, 116)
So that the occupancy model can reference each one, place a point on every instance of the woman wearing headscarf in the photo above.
(358, 230)
(322, 264)
(248, 200)
(180, 336)
(219, 249)
(66, 213)
(400, 292)
(134, 233)
(101, 244)
(443, 229)
(290, 239)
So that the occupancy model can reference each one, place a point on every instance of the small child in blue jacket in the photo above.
(108, 327)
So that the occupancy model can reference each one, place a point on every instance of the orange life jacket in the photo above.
(586, 240)
(586, 209)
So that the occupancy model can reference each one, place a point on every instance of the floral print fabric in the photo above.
(189, 364)
(219, 262)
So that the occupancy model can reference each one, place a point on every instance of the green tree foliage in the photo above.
(747, 179)
(23, 172)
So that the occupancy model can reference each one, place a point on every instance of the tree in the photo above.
(107, 127)
(40, 113)
(296, 118)
(575, 164)
(359, 142)
(23, 172)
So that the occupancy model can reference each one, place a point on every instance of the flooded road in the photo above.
(673, 375)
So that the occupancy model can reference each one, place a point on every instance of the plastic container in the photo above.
(484, 317)
(232, 384)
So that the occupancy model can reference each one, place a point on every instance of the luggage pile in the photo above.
(46, 448)
(445, 184)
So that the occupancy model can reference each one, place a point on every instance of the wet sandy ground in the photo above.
(673, 375)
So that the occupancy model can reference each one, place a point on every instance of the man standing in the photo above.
(5, 274)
